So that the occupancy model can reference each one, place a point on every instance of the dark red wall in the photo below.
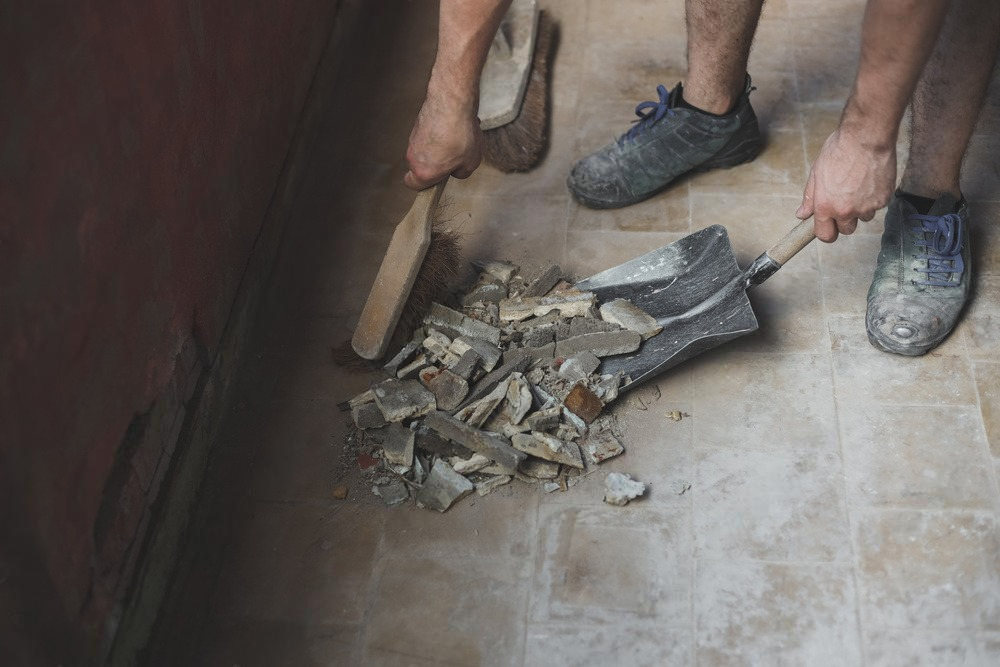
(140, 143)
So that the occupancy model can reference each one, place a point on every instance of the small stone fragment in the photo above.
(449, 389)
(340, 492)
(621, 488)
(502, 271)
(571, 303)
(491, 483)
(541, 285)
(397, 447)
(495, 377)
(468, 466)
(485, 292)
(410, 370)
(600, 446)
(443, 488)
(393, 493)
(403, 399)
(539, 468)
(680, 486)
(367, 416)
(675, 415)
(579, 326)
(543, 420)
(579, 366)
(533, 354)
(362, 398)
(518, 398)
(491, 445)
(488, 352)
(466, 365)
(548, 447)
(456, 324)
(607, 388)
(432, 443)
(401, 357)
(629, 316)
(551, 487)
(475, 414)
(366, 461)
(583, 403)
(602, 344)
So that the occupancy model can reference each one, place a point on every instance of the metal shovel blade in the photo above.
(695, 290)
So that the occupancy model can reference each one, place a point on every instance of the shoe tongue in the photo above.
(944, 205)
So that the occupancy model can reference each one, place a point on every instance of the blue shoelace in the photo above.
(650, 113)
(941, 238)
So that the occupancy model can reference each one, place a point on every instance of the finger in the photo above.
(847, 226)
(806, 207)
(411, 181)
(867, 217)
(826, 229)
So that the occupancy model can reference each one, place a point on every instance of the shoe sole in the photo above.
(745, 150)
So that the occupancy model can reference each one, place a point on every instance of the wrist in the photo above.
(875, 130)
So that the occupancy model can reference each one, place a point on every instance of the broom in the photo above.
(515, 117)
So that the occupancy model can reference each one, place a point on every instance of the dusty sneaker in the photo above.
(922, 278)
(669, 140)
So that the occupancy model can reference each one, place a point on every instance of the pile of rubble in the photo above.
(503, 386)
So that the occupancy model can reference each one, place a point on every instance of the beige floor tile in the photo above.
(824, 78)
(779, 169)
(938, 570)
(775, 614)
(776, 100)
(654, 24)
(637, 643)
(979, 324)
(988, 384)
(771, 51)
(766, 402)
(847, 269)
(608, 564)
(457, 611)
(887, 648)
(985, 241)
(771, 507)
(867, 375)
(979, 179)
(300, 565)
(917, 458)
(589, 253)
(668, 211)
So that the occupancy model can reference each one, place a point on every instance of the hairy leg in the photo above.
(719, 34)
(948, 97)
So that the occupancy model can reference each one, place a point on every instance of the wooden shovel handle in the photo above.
(794, 241)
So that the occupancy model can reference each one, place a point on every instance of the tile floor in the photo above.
(843, 503)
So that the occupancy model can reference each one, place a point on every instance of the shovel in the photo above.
(695, 290)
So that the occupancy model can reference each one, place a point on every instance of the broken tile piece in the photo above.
(539, 468)
(475, 414)
(541, 285)
(367, 416)
(412, 369)
(488, 352)
(432, 443)
(403, 399)
(442, 488)
(602, 344)
(583, 403)
(491, 445)
(548, 447)
(449, 389)
(491, 483)
(579, 326)
(456, 324)
(495, 377)
(628, 315)
(600, 446)
(485, 292)
(579, 366)
(519, 398)
(620, 488)
(397, 447)
(468, 466)
(466, 365)
(543, 420)
(393, 493)
(551, 487)
(401, 357)
(503, 271)
(571, 303)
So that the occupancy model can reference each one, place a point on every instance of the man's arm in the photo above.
(855, 172)
(446, 137)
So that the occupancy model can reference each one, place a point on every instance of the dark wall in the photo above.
(140, 144)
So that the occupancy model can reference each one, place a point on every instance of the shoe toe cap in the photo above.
(596, 181)
(909, 327)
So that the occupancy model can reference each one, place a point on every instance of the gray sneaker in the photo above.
(667, 141)
(922, 278)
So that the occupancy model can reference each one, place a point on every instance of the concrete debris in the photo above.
(549, 448)
(392, 493)
(491, 483)
(505, 386)
(680, 486)
(628, 316)
(443, 488)
(397, 447)
(570, 303)
(340, 492)
(621, 488)
(403, 399)
(600, 446)
(368, 416)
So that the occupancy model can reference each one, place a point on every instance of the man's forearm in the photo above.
(466, 29)
(897, 39)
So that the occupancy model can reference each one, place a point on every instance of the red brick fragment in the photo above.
(583, 403)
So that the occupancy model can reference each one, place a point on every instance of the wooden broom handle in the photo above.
(794, 241)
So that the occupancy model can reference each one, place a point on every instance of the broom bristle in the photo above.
(440, 269)
(520, 144)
